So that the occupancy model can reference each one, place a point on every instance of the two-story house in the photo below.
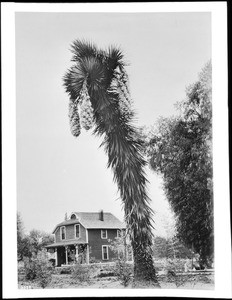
(84, 236)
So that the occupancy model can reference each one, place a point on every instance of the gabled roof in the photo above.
(90, 220)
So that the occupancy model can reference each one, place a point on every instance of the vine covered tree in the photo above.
(97, 85)
(179, 148)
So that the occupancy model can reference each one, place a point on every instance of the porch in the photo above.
(68, 254)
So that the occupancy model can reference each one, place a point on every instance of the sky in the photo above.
(57, 173)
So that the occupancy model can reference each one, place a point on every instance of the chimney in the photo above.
(101, 215)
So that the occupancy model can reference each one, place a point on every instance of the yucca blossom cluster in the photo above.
(84, 119)
(120, 83)
(86, 109)
(74, 119)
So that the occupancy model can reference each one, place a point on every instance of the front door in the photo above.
(60, 256)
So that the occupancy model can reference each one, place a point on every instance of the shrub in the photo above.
(44, 269)
(82, 273)
(29, 268)
(107, 274)
(66, 270)
(123, 271)
(39, 268)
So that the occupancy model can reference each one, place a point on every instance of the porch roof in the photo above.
(66, 243)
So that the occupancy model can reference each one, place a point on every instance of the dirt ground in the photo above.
(65, 281)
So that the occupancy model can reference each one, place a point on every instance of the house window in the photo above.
(105, 253)
(104, 234)
(62, 233)
(77, 231)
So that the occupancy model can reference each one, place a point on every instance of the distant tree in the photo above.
(170, 248)
(38, 240)
(179, 148)
(29, 244)
(20, 235)
(22, 239)
(160, 247)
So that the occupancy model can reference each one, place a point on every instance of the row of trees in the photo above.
(32, 243)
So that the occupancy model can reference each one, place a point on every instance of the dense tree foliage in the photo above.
(179, 148)
(32, 243)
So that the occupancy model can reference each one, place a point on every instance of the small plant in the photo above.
(93, 260)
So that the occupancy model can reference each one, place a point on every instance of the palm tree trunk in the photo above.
(125, 158)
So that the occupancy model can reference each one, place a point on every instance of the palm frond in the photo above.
(73, 80)
(115, 57)
(95, 73)
(82, 49)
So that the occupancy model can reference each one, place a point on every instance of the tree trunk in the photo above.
(125, 158)
(143, 265)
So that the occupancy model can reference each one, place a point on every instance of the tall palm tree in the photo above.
(97, 84)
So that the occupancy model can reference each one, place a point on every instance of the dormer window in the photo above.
(73, 217)
(104, 234)
(77, 231)
(62, 233)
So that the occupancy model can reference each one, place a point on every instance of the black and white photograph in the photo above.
(115, 150)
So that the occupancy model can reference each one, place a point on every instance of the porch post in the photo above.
(126, 254)
(56, 257)
(125, 250)
(66, 255)
(76, 255)
(87, 254)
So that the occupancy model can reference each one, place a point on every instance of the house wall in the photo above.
(96, 243)
(70, 233)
